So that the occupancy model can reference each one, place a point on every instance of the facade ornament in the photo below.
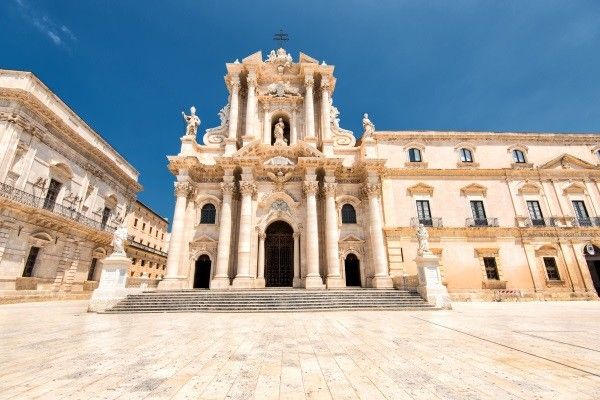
(279, 161)
(261, 235)
(372, 189)
(192, 122)
(224, 115)
(280, 57)
(247, 187)
(234, 82)
(182, 189)
(251, 79)
(279, 179)
(227, 187)
(325, 84)
(280, 205)
(311, 187)
(278, 132)
(118, 241)
(282, 89)
(423, 238)
(329, 188)
(309, 81)
(368, 126)
(334, 114)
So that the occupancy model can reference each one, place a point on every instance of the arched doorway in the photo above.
(592, 256)
(202, 272)
(352, 269)
(279, 255)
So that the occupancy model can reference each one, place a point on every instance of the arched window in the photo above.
(466, 155)
(348, 214)
(414, 155)
(519, 156)
(208, 214)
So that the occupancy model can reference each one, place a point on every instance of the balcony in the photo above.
(482, 222)
(31, 200)
(586, 222)
(144, 247)
(540, 222)
(428, 222)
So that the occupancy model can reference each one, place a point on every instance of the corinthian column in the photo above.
(309, 111)
(382, 278)
(260, 275)
(221, 278)
(230, 142)
(172, 280)
(325, 109)
(313, 278)
(250, 105)
(334, 278)
(243, 278)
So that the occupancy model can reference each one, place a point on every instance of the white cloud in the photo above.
(59, 34)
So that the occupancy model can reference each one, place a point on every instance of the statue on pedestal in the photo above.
(423, 238)
(368, 126)
(192, 121)
(278, 133)
(118, 241)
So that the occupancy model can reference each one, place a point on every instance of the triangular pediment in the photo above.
(567, 161)
(254, 58)
(203, 238)
(351, 238)
(420, 188)
(473, 189)
(304, 58)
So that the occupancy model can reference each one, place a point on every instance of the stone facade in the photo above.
(148, 244)
(509, 214)
(63, 189)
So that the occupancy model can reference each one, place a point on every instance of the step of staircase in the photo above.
(269, 300)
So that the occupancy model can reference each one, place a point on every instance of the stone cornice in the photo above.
(509, 137)
(483, 233)
(499, 173)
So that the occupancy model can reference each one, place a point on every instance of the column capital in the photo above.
(227, 188)
(262, 235)
(182, 189)
(251, 78)
(234, 83)
(309, 81)
(247, 187)
(311, 187)
(329, 188)
(296, 235)
(325, 83)
(372, 189)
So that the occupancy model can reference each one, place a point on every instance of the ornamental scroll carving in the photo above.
(329, 188)
(182, 189)
(280, 205)
(227, 188)
(311, 187)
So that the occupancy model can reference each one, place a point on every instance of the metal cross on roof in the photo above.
(281, 37)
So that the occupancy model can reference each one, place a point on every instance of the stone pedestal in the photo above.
(335, 282)
(243, 282)
(430, 283)
(188, 145)
(219, 283)
(382, 282)
(297, 283)
(175, 283)
(314, 282)
(260, 283)
(111, 288)
(230, 146)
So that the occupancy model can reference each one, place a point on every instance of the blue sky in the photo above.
(130, 67)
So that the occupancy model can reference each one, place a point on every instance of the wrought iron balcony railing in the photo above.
(482, 222)
(34, 201)
(145, 247)
(586, 222)
(428, 222)
(541, 222)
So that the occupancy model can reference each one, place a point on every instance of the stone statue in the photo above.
(118, 241)
(423, 238)
(334, 114)
(192, 121)
(224, 115)
(278, 132)
(367, 125)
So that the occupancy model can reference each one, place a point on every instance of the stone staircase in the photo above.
(269, 300)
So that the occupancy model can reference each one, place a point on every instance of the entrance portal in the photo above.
(202, 272)
(279, 255)
(592, 256)
(352, 269)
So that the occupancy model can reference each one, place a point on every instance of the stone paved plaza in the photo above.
(479, 350)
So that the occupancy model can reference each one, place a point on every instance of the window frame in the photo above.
(515, 156)
(463, 151)
(496, 275)
(421, 214)
(211, 219)
(353, 219)
(412, 153)
(555, 266)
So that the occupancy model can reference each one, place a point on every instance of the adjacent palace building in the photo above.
(63, 190)
(280, 195)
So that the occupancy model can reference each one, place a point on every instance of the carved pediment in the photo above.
(351, 239)
(567, 161)
(530, 188)
(574, 188)
(267, 152)
(473, 189)
(279, 161)
(420, 188)
(202, 238)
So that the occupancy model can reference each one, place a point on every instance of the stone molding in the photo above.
(329, 188)
(310, 187)
(372, 189)
(182, 189)
(247, 187)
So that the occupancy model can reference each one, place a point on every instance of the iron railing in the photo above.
(586, 222)
(428, 222)
(477, 222)
(34, 201)
(541, 222)
(145, 247)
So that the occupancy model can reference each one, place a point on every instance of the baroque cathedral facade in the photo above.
(279, 195)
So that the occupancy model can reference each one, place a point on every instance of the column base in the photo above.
(335, 282)
(260, 283)
(382, 282)
(230, 146)
(313, 282)
(172, 284)
(243, 282)
(297, 283)
(219, 283)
